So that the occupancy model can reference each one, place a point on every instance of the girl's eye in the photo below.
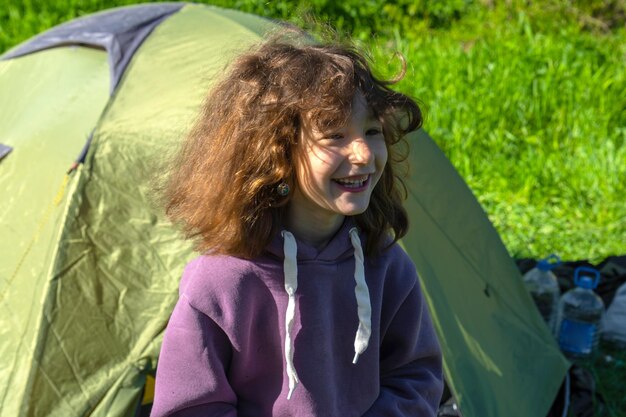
(374, 131)
(335, 136)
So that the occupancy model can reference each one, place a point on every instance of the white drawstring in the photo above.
(290, 267)
(364, 305)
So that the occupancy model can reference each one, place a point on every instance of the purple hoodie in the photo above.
(224, 350)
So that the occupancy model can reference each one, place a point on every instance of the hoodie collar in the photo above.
(338, 248)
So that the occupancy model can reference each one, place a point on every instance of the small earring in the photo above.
(282, 189)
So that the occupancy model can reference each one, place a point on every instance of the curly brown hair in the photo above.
(222, 186)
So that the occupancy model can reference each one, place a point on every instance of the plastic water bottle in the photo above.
(544, 288)
(579, 315)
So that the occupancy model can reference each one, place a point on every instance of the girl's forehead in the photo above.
(320, 123)
(332, 117)
(361, 108)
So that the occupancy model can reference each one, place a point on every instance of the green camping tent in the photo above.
(89, 270)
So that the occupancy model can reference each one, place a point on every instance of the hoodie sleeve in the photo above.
(191, 372)
(411, 380)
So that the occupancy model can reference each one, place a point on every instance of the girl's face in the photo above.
(337, 170)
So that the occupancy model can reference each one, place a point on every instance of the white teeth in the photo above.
(352, 183)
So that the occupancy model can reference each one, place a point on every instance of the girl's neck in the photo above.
(316, 231)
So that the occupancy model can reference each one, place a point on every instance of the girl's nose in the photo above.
(361, 153)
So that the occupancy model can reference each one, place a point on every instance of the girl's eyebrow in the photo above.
(371, 117)
(371, 114)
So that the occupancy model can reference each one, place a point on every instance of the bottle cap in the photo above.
(586, 281)
(549, 263)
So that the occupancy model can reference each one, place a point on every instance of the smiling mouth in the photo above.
(353, 183)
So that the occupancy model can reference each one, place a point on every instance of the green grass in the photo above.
(527, 99)
(535, 123)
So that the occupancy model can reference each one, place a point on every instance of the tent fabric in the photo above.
(119, 32)
(497, 350)
(4, 151)
(84, 314)
(49, 108)
(90, 268)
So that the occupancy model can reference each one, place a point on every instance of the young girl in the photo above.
(302, 304)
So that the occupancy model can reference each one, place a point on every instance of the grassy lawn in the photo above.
(527, 99)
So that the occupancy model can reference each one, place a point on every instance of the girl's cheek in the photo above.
(327, 155)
